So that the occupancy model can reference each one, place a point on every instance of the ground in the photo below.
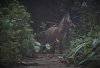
(44, 61)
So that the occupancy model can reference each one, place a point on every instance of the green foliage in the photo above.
(85, 49)
(85, 43)
(16, 37)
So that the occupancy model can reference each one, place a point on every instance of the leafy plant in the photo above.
(85, 49)
(16, 36)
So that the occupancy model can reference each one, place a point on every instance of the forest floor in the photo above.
(44, 61)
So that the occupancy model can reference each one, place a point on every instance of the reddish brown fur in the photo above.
(55, 32)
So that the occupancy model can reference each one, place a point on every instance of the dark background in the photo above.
(51, 12)
(45, 10)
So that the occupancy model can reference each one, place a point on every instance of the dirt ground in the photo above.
(44, 61)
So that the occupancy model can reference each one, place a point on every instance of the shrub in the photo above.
(86, 49)
(16, 36)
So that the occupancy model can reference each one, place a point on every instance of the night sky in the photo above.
(45, 10)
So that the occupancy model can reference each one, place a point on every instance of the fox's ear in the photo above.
(67, 16)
